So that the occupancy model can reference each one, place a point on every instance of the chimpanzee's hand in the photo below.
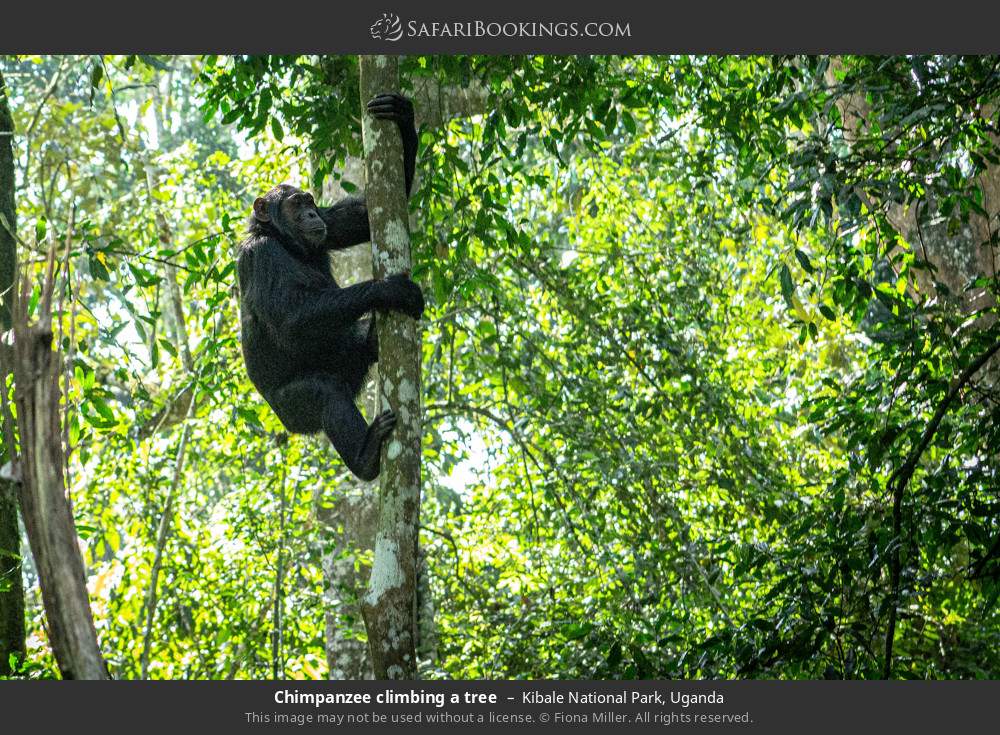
(392, 107)
(404, 295)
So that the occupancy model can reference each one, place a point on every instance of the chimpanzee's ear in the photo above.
(260, 210)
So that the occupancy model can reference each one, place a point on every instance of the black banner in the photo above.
(514, 26)
(538, 706)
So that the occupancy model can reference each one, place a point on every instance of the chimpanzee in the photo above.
(305, 344)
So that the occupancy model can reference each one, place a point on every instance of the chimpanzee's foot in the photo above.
(367, 464)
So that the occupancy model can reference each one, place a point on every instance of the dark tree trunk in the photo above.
(390, 604)
(11, 584)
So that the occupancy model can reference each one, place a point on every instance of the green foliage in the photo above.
(687, 317)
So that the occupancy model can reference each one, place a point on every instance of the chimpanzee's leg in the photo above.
(299, 404)
(325, 401)
(359, 445)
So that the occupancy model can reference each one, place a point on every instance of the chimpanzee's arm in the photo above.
(346, 223)
(408, 131)
(296, 309)
(347, 220)
(332, 309)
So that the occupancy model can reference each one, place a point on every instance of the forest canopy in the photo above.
(709, 374)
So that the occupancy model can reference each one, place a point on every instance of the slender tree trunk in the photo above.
(11, 583)
(277, 657)
(351, 522)
(389, 606)
(351, 517)
(426, 623)
(8, 252)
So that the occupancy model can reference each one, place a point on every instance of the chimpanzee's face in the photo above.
(293, 213)
(301, 217)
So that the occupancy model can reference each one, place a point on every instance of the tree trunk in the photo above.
(352, 525)
(11, 583)
(389, 606)
(351, 517)
(957, 259)
(47, 514)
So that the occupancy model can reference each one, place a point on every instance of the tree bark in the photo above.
(11, 582)
(351, 517)
(389, 606)
(352, 524)
(47, 514)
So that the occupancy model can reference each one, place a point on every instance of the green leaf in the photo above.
(103, 409)
(804, 261)
(97, 269)
(787, 286)
(168, 346)
(610, 121)
(614, 655)
(629, 121)
(154, 62)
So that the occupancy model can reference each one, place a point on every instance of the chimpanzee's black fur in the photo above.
(305, 345)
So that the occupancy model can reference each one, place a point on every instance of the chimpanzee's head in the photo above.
(292, 213)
